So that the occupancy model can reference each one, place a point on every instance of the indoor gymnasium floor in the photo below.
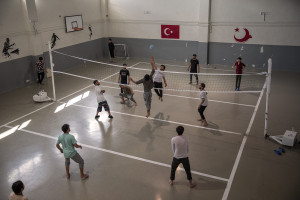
(129, 156)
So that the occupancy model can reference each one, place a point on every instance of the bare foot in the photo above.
(68, 176)
(148, 114)
(204, 124)
(190, 82)
(161, 99)
(170, 182)
(85, 176)
(192, 185)
(122, 102)
(200, 120)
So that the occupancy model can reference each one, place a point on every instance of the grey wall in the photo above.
(284, 58)
(178, 50)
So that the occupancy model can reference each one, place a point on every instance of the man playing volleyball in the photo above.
(239, 71)
(148, 85)
(203, 104)
(124, 73)
(194, 68)
(101, 100)
(68, 142)
(158, 77)
(127, 93)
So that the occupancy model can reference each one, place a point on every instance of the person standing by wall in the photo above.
(40, 69)
(239, 71)
(111, 48)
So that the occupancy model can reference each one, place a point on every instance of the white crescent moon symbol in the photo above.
(165, 31)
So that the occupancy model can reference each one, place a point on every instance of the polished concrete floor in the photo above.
(129, 156)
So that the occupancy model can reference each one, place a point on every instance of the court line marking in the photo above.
(124, 155)
(226, 102)
(238, 157)
(162, 120)
(58, 100)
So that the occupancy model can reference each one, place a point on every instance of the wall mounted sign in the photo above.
(170, 31)
(246, 37)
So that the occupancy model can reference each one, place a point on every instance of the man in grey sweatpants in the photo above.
(68, 142)
(148, 85)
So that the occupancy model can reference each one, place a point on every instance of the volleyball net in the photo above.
(177, 77)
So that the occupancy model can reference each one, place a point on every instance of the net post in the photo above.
(268, 85)
(52, 73)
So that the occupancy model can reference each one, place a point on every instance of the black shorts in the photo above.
(104, 104)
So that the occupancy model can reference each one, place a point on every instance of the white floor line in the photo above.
(238, 157)
(172, 122)
(125, 155)
(58, 100)
(186, 97)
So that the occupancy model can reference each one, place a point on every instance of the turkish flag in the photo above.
(170, 31)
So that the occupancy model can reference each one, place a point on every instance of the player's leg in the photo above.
(239, 81)
(78, 159)
(174, 166)
(161, 91)
(42, 76)
(122, 97)
(148, 99)
(204, 122)
(191, 78)
(39, 77)
(67, 164)
(236, 81)
(99, 109)
(186, 165)
(106, 108)
(156, 90)
(197, 82)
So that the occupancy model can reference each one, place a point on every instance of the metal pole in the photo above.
(268, 96)
(52, 74)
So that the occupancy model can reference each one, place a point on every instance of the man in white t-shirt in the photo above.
(203, 104)
(158, 77)
(180, 147)
(101, 100)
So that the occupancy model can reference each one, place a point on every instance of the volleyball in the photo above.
(151, 46)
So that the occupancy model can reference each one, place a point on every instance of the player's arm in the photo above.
(59, 148)
(77, 146)
(173, 146)
(189, 67)
(153, 63)
(165, 81)
(119, 78)
(129, 78)
(202, 101)
(131, 91)
(198, 68)
(233, 66)
(132, 80)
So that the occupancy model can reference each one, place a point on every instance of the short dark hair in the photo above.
(163, 66)
(147, 77)
(17, 187)
(124, 64)
(202, 85)
(65, 128)
(179, 130)
(110, 39)
(95, 81)
(40, 58)
(194, 54)
(239, 58)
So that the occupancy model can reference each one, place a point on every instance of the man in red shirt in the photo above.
(239, 70)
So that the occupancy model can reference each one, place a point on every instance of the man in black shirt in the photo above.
(124, 73)
(111, 48)
(194, 68)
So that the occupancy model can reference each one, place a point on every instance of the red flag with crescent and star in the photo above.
(245, 38)
(170, 31)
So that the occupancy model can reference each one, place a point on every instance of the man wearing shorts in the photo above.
(203, 104)
(239, 71)
(101, 100)
(158, 77)
(124, 74)
(148, 85)
(194, 68)
(68, 142)
(180, 147)
(127, 93)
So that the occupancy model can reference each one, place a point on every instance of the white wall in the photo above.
(281, 25)
(15, 24)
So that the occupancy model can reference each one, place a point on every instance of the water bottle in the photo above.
(293, 129)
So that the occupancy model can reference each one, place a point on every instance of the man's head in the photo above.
(239, 59)
(194, 56)
(65, 128)
(109, 40)
(162, 68)
(201, 86)
(7, 39)
(179, 130)
(18, 187)
(124, 66)
(96, 82)
(147, 77)
(40, 58)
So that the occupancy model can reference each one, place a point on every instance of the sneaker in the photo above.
(110, 116)
(277, 152)
(236, 89)
(281, 149)
(97, 116)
